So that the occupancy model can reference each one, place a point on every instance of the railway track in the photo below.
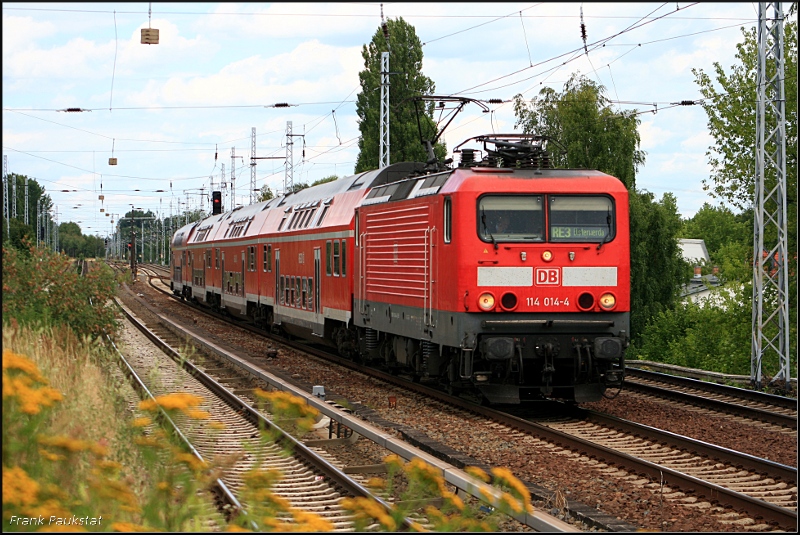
(752, 489)
(309, 482)
(248, 371)
(777, 411)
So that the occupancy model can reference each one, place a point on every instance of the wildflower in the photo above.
(394, 460)
(454, 500)
(191, 461)
(309, 522)
(219, 426)
(148, 442)
(51, 456)
(141, 422)
(376, 483)
(177, 400)
(261, 478)
(511, 502)
(128, 527)
(505, 476)
(366, 509)
(72, 445)
(31, 399)
(476, 472)
(162, 485)
(197, 414)
(18, 488)
(234, 527)
(14, 361)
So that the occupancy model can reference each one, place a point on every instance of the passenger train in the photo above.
(499, 274)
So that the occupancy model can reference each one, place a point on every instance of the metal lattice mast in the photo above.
(14, 197)
(38, 220)
(288, 181)
(233, 178)
(6, 200)
(384, 156)
(27, 221)
(770, 258)
(253, 166)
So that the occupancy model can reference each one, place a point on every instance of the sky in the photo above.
(173, 113)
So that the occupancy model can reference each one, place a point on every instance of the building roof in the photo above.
(693, 250)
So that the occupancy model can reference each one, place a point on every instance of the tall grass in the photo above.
(75, 457)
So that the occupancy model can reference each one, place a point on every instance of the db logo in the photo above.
(548, 276)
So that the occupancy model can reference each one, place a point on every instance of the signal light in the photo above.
(216, 202)
(130, 246)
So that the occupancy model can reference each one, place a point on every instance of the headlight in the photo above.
(547, 256)
(486, 302)
(608, 301)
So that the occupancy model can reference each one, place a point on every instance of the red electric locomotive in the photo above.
(501, 275)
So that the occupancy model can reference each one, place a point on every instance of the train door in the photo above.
(223, 282)
(278, 289)
(242, 279)
(319, 322)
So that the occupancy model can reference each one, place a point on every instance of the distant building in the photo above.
(694, 251)
(700, 286)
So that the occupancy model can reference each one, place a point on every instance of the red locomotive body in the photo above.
(511, 281)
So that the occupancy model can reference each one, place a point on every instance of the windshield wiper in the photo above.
(486, 229)
(607, 237)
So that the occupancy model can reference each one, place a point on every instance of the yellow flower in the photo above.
(162, 485)
(234, 527)
(14, 361)
(476, 472)
(51, 456)
(148, 442)
(18, 488)
(128, 526)
(176, 400)
(197, 414)
(141, 422)
(511, 502)
(454, 500)
(376, 483)
(66, 443)
(216, 425)
(61, 528)
(191, 461)
(394, 460)
(31, 399)
(309, 522)
(505, 477)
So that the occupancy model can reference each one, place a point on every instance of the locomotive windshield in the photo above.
(511, 218)
(575, 218)
(571, 218)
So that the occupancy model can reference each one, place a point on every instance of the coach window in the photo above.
(208, 258)
(297, 294)
(344, 258)
(581, 218)
(216, 257)
(251, 257)
(327, 258)
(311, 294)
(283, 285)
(448, 219)
(335, 258)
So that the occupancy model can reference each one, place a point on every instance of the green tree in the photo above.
(592, 134)
(595, 136)
(718, 227)
(18, 230)
(265, 194)
(325, 180)
(657, 267)
(730, 103)
(405, 59)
